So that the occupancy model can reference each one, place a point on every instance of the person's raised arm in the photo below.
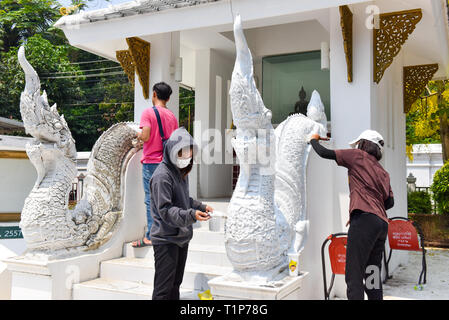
(320, 150)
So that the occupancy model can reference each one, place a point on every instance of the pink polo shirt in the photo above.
(152, 149)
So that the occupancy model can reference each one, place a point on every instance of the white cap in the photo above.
(369, 135)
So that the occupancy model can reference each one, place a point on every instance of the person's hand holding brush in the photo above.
(316, 136)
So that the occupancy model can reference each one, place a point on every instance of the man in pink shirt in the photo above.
(153, 136)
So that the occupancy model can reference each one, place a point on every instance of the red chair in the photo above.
(337, 257)
(403, 235)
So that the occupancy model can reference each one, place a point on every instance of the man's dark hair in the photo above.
(371, 148)
(163, 91)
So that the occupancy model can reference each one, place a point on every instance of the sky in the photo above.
(95, 4)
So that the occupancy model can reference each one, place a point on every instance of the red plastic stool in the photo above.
(403, 235)
(337, 257)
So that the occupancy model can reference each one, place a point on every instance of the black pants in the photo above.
(365, 247)
(169, 263)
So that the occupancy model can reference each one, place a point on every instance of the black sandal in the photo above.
(141, 243)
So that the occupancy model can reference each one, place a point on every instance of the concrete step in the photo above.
(110, 289)
(196, 276)
(198, 254)
(203, 236)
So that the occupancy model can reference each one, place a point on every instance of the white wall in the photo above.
(321, 215)
(188, 66)
(17, 177)
(362, 105)
(427, 159)
(286, 38)
(211, 103)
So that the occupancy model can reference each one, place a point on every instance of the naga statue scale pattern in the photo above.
(47, 224)
(267, 214)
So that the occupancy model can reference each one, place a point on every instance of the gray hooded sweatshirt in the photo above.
(172, 209)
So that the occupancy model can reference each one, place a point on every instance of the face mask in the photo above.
(182, 162)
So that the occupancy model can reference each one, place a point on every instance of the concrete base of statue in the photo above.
(230, 287)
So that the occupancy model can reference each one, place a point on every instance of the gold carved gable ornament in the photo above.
(394, 29)
(415, 81)
(126, 61)
(346, 17)
(136, 60)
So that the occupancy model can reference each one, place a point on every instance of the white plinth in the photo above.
(42, 279)
(288, 288)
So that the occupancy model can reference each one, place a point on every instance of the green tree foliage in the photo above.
(117, 105)
(428, 118)
(186, 108)
(440, 189)
(91, 92)
(21, 19)
(419, 202)
(47, 59)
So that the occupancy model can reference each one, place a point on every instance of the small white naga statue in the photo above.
(267, 216)
(47, 224)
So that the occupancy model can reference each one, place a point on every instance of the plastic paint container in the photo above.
(215, 224)
(293, 264)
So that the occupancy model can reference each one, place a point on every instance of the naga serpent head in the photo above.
(40, 120)
(248, 109)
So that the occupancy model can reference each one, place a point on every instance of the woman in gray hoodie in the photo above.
(173, 212)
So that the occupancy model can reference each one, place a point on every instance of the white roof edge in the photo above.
(126, 9)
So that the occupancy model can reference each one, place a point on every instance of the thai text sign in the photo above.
(402, 235)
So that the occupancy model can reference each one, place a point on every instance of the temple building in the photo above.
(369, 60)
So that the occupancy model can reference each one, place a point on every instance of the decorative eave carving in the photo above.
(126, 61)
(394, 29)
(140, 53)
(415, 81)
(136, 59)
(346, 28)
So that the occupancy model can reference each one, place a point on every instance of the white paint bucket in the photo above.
(216, 222)
(293, 264)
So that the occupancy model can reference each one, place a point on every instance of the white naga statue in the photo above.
(267, 216)
(47, 224)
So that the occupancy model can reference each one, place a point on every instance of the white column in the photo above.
(165, 48)
(351, 102)
(362, 105)
(203, 102)
(213, 71)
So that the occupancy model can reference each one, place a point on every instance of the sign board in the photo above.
(10, 232)
(402, 235)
